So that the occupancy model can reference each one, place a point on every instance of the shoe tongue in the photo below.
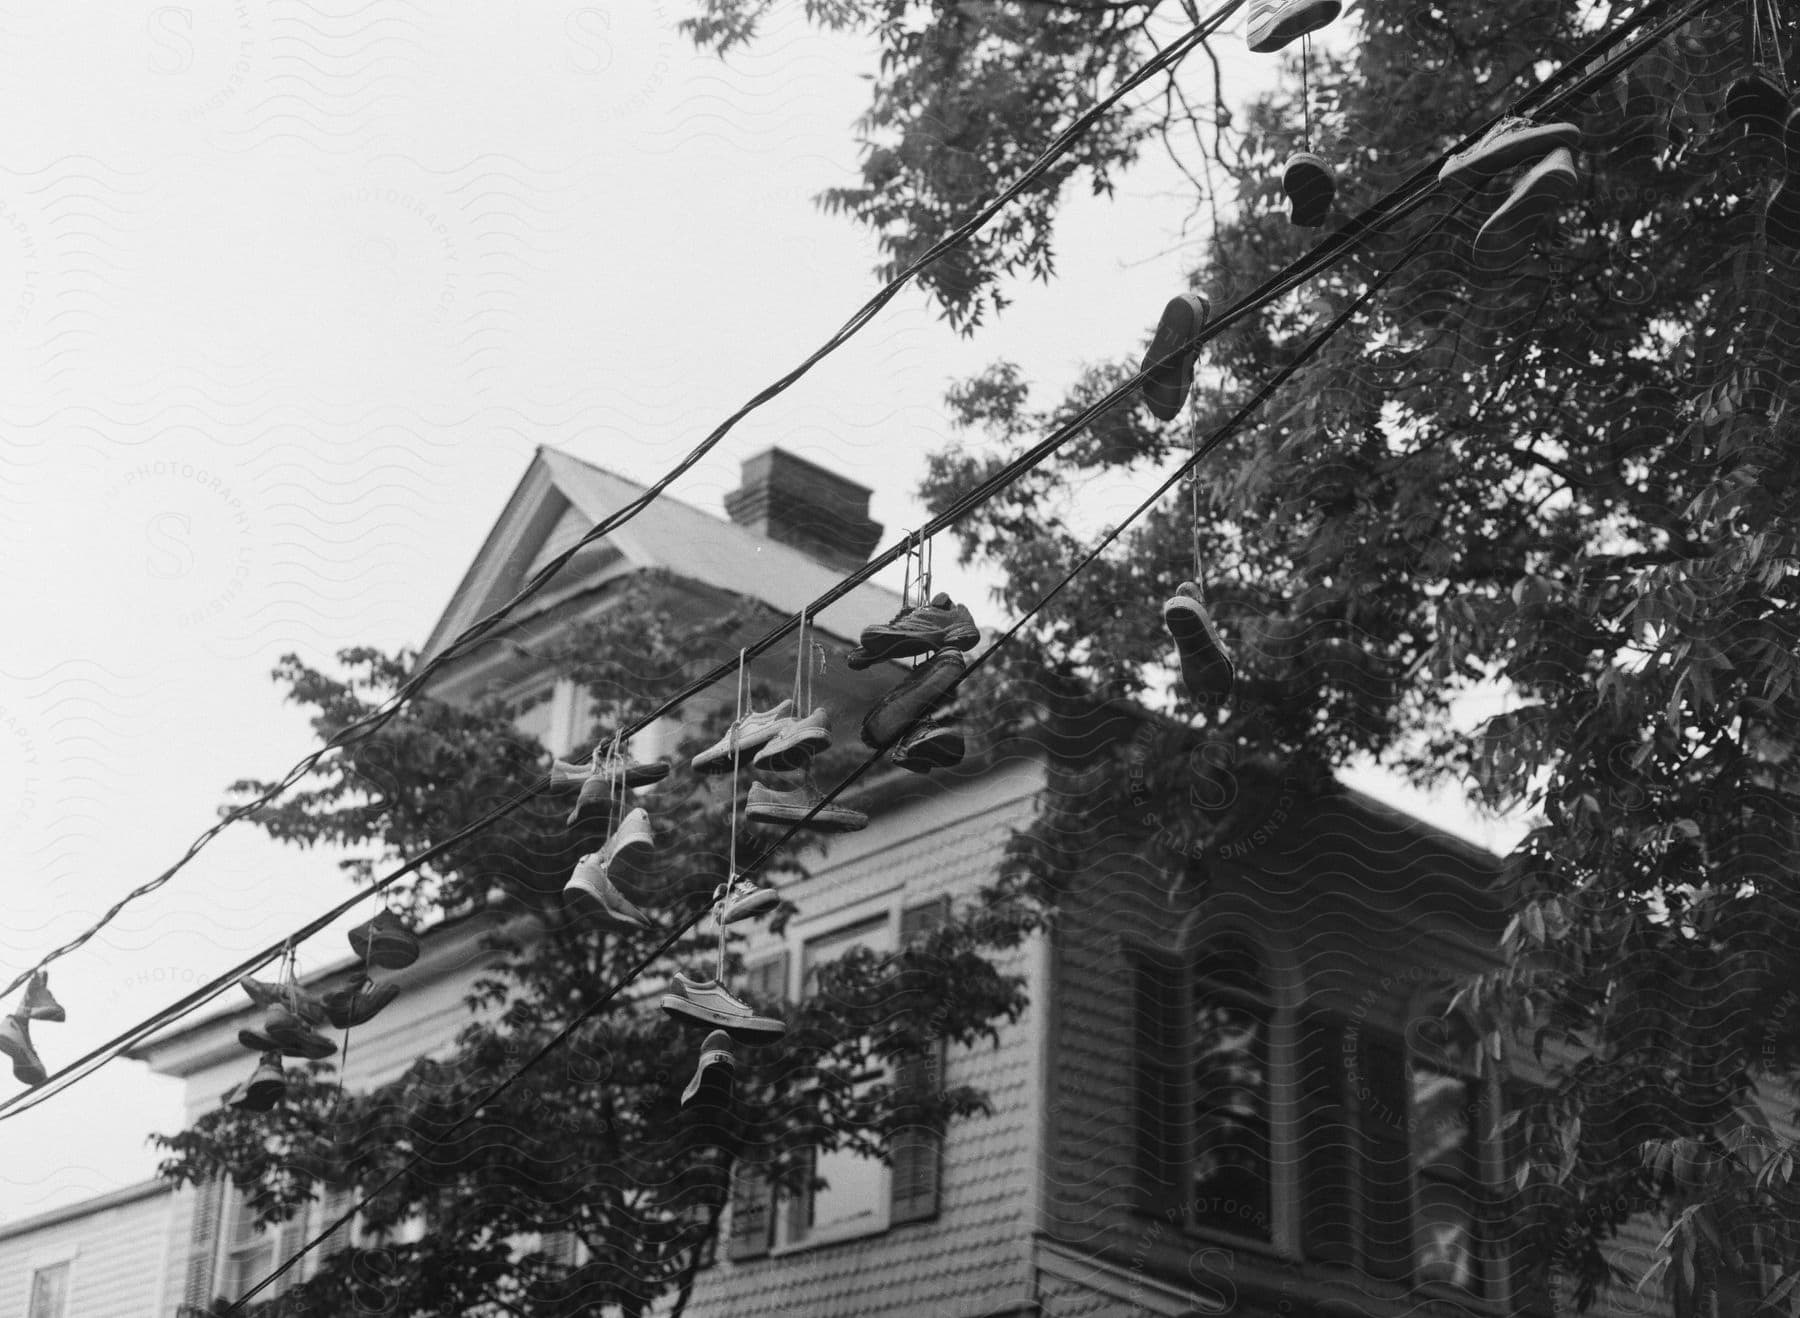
(940, 601)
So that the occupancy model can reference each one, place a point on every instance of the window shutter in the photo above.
(752, 1216)
(1327, 1143)
(768, 980)
(203, 1244)
(337, 1202)
(1158, 1054)
(1383, 1094)
(917, 1152)
(288, 1242)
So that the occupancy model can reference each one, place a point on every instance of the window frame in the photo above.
(39, 1267)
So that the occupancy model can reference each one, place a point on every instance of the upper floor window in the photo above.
(50, 1292)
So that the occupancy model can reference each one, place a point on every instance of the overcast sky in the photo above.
(289, 292)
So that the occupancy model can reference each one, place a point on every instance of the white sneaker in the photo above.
(750, 733)
(706, 1002)
(633, 831)
(1274, 23)
(797, 742)
(746, 901)
(1510, 142)
(590, 883)
(711, 1085)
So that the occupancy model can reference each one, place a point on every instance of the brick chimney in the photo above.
(801, 504)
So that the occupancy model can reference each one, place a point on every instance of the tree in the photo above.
(592, 1140)
(1576, 480)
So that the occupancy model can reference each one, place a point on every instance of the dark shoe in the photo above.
(1510, 142)
(386, 942)
(293, 1037)
(359, 1003)
(766, 806)
(38, 1004)
(15, 1042)
(795, 745)
(1206, 669)
(929, 746)
(924, 689)
(750, 733)
(1274, 23)
(1168, 367)
(607, 771)
(922, 629)
(746, 901)
(706, 1002)
(267, 1086)
(1756, 103)
(711, 1085)
(1310, 189)
(1510, 231)
(1782, 219)
(307, 1006)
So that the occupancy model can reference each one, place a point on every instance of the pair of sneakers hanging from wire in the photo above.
(1760, 103)
(1306, 180)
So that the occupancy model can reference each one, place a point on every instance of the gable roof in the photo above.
(666, 534)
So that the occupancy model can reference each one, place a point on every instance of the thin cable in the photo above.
(478, 631)
(1391, 206)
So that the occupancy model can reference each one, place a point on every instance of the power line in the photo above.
(1398, 202)
(478, 631)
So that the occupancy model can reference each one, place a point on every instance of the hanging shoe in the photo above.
(766, 806)
(1310, 188)
(706, 1002)
(267, 1086)
(358, 1003)
(923, 690)
(921, 629)
(1510, 231)
(1782, 218)
(293, 1037)
(607, 779)
(711, 1085)
(591, 887)
(1755, 103)
(385, 941)
(1512, 141)
(750, 733)
(1206, 669)
(38, 1004)
(1168, 366)
(746, 901)
(633, 831)
(15, 1042)
(931, 745)
(307, 1006)
(795, 745)
(1274, 23)
(607, 770)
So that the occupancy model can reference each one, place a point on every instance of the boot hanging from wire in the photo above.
(1757, 101)
(1306, 180)
(1206, 669)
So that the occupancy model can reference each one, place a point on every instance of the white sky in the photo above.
(289, 292)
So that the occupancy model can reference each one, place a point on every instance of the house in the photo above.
(1234, 1090)
(102, 1258)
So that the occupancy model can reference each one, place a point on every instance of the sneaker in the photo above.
(922, 629)
(746, 901)
(750, 733)
(1310, 189)
(591, 887)
(706, 1002)
(1206, 669)
(607, 770)
(601, 784)
(1274, 23)
(267, 1086)
(1510, 231)
(766, 806)
(307, 1006)
(386, 942)
(1510, 142)
(293, 1036)
(711, 1085)
(358, 1003)
(1168, 367)
(796, 744)
(311, 1045)
(15, 1042)
(1755, 102)
(924, 689)
(633, 831)
(1782, 218)
(931, 745)
(38, 1004)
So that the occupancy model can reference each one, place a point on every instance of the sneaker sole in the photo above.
(1310, 191)
(1525, 145)
(831, 819)
(780, 758)
(910, 645)
(719, 761)
(1510, 232)
(683, 1009)
(1207, 671)
(1270, 36)
(1167, 368)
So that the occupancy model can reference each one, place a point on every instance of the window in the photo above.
(1393, 1131)
(861, 1195)
(50, 1292)
(249, 1250)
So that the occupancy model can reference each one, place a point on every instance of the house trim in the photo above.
(102, 1203)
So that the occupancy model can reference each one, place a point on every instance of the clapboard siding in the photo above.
(974, 1257)
(115, 1252)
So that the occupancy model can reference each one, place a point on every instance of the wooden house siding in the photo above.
(115, 1255)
